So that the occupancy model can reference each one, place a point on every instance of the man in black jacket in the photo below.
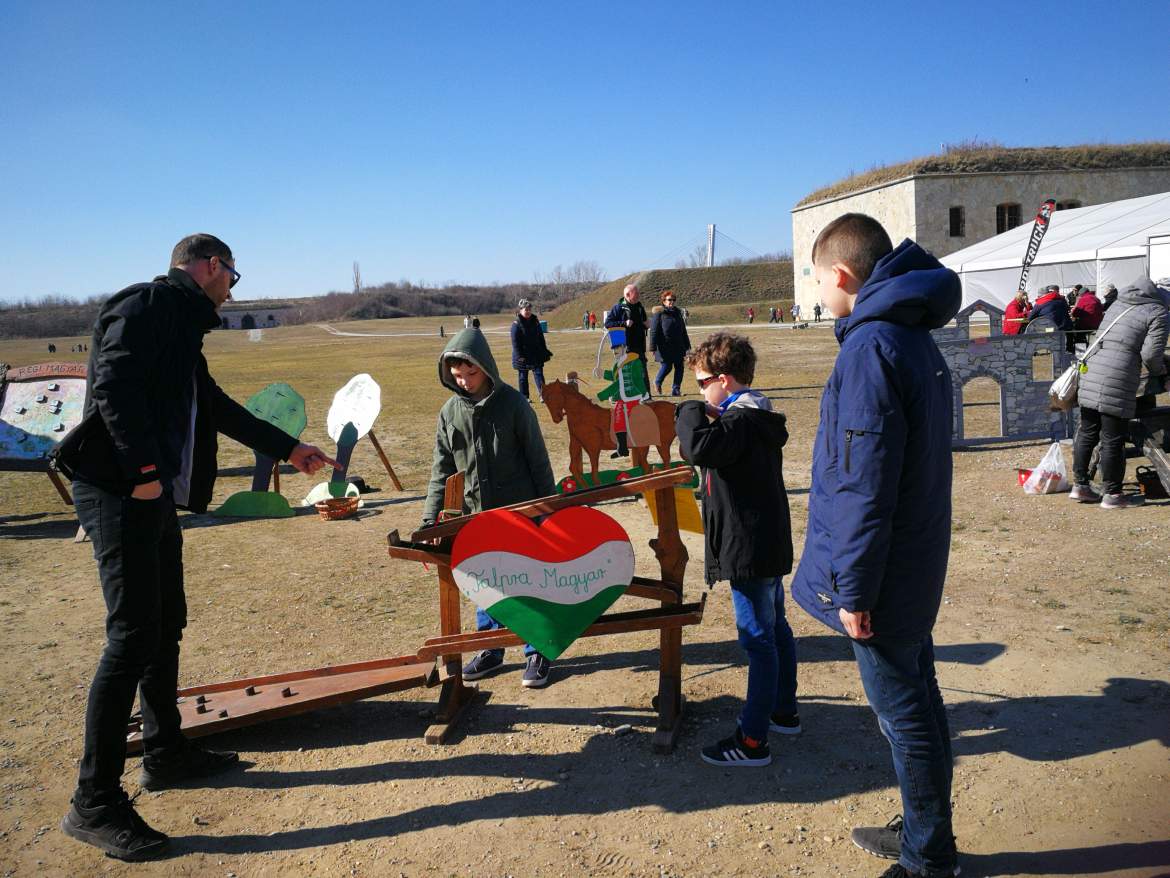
(146, 445)
(629, 314)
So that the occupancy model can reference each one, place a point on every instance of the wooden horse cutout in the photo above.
(589, 427)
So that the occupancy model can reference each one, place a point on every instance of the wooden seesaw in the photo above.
(217, 707)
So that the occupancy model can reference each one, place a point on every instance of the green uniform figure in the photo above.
(627, 388)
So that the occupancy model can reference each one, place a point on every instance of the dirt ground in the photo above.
(1053, 655)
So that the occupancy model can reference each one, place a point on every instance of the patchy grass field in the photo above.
(1053, 646)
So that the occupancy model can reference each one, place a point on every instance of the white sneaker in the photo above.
(1122, 501)
(1084, 494)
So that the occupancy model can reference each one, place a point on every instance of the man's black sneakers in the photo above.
(116, 829)
(735, 752)
(192, 762)
(881, 841)
(899, 871)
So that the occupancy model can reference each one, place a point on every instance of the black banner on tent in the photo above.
(1038, 230)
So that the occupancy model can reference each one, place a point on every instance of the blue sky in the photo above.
(487, 141)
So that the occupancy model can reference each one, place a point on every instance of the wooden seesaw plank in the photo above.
(217, 707)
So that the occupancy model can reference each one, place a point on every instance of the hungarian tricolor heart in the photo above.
(546, 583)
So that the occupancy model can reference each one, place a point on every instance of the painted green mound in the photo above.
(255, 504)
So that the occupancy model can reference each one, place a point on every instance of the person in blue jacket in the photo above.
(879, 521)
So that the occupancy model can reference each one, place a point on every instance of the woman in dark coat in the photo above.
(1133, 333)
(669, 340)
(529, 351)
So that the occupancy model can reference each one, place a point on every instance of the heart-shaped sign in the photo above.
(546, 583)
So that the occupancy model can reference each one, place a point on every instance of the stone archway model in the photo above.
(1007, 360)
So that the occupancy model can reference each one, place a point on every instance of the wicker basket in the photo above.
(336, 508)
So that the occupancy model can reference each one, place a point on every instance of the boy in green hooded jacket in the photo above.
(489, 431)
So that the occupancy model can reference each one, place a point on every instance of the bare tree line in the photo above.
(53, 315)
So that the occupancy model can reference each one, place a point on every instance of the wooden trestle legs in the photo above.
(672, 559)
(454, 696)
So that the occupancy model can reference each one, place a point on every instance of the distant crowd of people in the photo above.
(1077, 312)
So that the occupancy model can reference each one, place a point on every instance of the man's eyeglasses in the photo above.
(235, 274)
(703, 382)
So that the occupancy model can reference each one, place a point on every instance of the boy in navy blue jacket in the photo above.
(879, 521)
(747, 534)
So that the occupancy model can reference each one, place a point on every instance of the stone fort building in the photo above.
(950, 201)
(252, 315)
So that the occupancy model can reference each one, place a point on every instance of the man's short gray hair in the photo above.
(201, 246)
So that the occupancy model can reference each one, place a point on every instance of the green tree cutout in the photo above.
(281, 406)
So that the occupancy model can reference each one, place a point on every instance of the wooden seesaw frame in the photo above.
(433, 545)
(215, 707)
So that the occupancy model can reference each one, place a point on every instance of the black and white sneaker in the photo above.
(734, 752)
(536, 672)
(785, 723)
(116, 829)
(483, 663)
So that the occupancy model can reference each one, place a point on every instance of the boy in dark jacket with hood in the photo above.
(747, 534)
(879, 521)
(488, 431)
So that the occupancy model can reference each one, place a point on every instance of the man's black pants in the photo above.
(139, 550)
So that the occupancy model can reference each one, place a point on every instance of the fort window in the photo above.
(958, 222)
(1007, 216)
(1067, 205)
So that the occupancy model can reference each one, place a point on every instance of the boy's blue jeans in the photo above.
(767, 639)
(900, 684)
(484, 622)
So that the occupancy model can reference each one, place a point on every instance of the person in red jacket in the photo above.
(1088, 311)
(1015, 315)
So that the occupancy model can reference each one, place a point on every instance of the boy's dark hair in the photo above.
(196, 247)
(726, 354)
(856, 241)
(452, 360)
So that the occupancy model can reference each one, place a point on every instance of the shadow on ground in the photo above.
(840, 754)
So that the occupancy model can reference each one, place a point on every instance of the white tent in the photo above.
(1098, 245)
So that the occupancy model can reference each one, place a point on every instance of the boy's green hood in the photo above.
(468, 344)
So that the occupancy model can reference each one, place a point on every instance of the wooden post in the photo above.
(454, 695)
(672, 558)
(393, 475)
(276, 476)
(60, 486)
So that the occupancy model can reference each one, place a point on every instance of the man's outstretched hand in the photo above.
(856, 624)
(309, 458)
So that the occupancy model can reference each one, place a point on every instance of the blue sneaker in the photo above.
(536, 672)
(483, 663)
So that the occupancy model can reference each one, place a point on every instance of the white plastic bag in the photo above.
(1051, 476)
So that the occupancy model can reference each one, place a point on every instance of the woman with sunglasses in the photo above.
(669, 340)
